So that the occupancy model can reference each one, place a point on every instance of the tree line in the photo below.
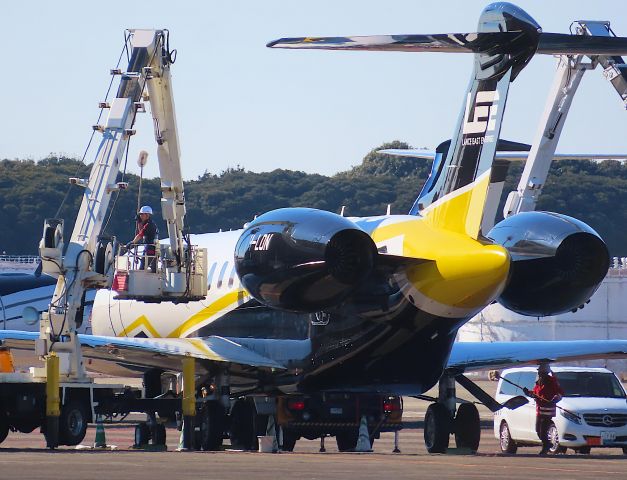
(32, 191)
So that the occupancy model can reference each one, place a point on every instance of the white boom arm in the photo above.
(570, 70)
(88, 261)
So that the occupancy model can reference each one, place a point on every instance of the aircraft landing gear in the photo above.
(443, 418)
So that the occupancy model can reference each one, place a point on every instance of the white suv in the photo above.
(595, 397)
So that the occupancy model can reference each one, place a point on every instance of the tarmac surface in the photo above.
(24, 456)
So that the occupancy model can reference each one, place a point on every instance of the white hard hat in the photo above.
(544, 368)
(145, 209)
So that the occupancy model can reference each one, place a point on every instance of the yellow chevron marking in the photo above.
(140, 322)
(207, 312)
(461, 211)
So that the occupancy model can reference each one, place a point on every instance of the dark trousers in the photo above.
(149, 258)
(542, 429)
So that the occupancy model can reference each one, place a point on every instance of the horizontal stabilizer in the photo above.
(482, 42)
(563, 44)
(509, 156)
(444, 42)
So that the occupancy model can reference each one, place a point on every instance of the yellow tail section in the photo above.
(461, 211)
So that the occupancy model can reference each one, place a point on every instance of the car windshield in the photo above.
(590, 384)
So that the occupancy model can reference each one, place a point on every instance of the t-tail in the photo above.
(505, 41)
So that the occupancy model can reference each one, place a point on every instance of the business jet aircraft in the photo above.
(303, 300)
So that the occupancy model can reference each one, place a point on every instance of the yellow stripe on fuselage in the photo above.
(231, 299)
(222, 303)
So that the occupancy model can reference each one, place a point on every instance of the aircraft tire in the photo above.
(211, 426)
(437, 428)
(467, 427)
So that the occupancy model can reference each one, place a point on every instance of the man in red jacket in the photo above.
(547, 392)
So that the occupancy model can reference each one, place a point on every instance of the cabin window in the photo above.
(212, 270)
(232, 277)
(222, 272)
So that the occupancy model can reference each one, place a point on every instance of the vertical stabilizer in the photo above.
(457, 195)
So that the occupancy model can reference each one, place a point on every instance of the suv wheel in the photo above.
(554, 440)
(507, 443)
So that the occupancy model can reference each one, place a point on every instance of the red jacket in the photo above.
(544, 394)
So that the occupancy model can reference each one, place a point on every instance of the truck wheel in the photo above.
(467, 427)
(437, 428)
(289, 440)
(159, 436)
(242, 431)
(142, 434)
(4, 427)
(25, 427)
(507, 443)
(347, 441)
(211, 426)
(73, 423)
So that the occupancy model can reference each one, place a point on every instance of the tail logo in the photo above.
(482, 119)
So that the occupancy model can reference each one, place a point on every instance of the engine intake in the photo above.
(302, 259)
(557, 263)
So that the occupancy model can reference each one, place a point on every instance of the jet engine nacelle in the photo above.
(557, 263)
(302, 259)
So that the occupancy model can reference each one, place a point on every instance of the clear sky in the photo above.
(240, 103)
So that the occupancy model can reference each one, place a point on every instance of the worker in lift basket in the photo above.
(147, 233)
(547, 392)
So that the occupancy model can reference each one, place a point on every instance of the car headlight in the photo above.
(571, 417)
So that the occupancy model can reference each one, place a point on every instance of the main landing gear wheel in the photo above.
(554, 440)
(586, 450)
(437, 428)
(467, 427)
(507, 443)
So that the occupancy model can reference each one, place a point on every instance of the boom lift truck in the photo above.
(71, 398)
(569, 73)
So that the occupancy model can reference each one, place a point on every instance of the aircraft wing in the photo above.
(472, 356)
(103, 354)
